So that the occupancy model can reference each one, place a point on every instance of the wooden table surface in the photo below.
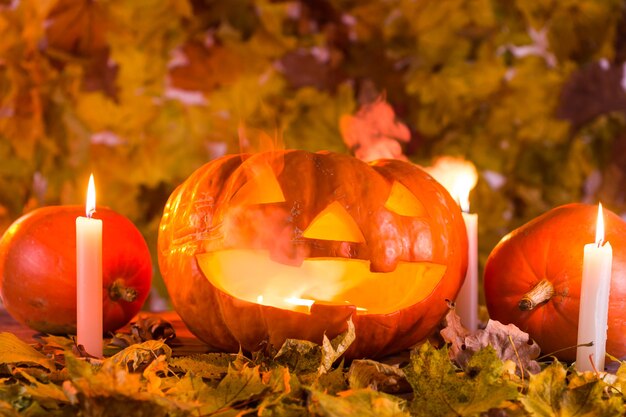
(185, 343)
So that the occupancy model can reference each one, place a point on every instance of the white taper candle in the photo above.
(594, 300)
(89, 277)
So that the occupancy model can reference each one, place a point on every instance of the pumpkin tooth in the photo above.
(387, 264)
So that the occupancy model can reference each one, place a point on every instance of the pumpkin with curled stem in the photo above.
(38, 269)
(292, 244)
(533, 278)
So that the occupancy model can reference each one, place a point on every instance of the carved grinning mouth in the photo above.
(252, 276)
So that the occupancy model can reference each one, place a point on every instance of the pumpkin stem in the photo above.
(118, 291)
(541, 293)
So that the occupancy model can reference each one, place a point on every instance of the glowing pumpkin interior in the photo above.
(252, 276)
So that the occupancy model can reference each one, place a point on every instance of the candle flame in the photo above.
(90, 207)
(457, 175)
(600, 227)
(462, 187)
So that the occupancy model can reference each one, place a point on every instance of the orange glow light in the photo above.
(457, 175)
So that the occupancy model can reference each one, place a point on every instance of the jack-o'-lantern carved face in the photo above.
(289, 229)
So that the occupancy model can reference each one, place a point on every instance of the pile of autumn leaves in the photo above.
(492, 372)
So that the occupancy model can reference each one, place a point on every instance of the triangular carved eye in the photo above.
(334, 223)
(261, 188)
(403, 202)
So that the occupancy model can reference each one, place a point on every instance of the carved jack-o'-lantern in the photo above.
(292, 244)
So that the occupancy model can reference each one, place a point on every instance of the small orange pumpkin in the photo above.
(292, 244)
(38, 269)
(533, 278)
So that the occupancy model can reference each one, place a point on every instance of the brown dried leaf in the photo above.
(333, 349)
(147, 327)
(152, 328)
(453, 332)
(366, 373)
(509, 342)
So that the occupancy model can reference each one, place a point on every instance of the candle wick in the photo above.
(600, 242)
(91, 212)
(463, 207)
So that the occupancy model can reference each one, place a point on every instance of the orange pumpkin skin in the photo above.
(38, 269)
(193, 223)
(551, 247)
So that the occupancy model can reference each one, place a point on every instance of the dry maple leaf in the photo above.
(364, 373)
(374, 133)
(152, 328)
(453, 332)
(509, 342)
(145, 328)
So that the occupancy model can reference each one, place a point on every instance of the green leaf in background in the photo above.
(566, 24)
(312, 118)
(270, 39)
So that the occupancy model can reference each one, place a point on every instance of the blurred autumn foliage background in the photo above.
(143, 92)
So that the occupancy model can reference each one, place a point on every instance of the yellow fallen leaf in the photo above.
(14, 351)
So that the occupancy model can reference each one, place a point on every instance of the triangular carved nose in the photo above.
(334, 223)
